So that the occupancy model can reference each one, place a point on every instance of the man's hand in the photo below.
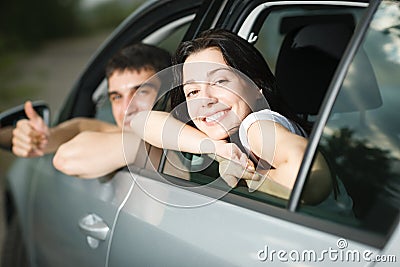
(30, 137)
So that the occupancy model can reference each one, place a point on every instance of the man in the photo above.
(76, 142)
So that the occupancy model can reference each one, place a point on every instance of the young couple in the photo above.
(225, 106)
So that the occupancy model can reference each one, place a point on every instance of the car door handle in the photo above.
(94, 228)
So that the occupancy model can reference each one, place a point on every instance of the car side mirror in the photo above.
(10, 117)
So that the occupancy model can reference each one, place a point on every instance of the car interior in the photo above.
(308, 58)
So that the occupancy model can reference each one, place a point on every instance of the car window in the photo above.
(273, 25)
(271, 29)
(361, 137)
(303, 45)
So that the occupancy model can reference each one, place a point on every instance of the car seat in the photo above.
(308, 58)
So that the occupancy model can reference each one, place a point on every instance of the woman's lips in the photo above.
(214, 118)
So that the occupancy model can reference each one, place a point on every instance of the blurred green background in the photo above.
(28, 27)
(44, 46)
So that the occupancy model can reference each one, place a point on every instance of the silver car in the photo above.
(337, 64)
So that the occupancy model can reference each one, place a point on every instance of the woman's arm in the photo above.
(284, 151)
(162, 130)
(280, 148)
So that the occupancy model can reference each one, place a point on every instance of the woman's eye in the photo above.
(220, 81)
(143, 91)
(192, 93)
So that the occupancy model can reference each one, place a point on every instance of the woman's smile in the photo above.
(218, 105)
(215, 118)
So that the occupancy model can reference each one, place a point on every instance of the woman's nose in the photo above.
(208, 97)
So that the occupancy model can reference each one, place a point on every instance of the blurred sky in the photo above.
(91, 3)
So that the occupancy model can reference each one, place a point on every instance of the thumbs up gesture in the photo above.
(30, 137)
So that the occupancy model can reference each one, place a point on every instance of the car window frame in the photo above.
(245, 14)
(360, 31)
(290, 212)
(328, 102)
(321, 120)
(243, 27)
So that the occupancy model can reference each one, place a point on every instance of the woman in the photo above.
(231, 113)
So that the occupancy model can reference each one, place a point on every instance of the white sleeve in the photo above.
(262, 115)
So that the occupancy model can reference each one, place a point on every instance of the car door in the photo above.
(69, 221)
(177, 217)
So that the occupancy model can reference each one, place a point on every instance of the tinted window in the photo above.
(275, 25)
(362, 136)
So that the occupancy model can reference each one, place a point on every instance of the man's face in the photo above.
(131, 92)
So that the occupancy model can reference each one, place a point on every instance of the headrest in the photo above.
(360, 89)
(306, 63)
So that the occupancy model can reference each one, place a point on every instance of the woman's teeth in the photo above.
(215, 116)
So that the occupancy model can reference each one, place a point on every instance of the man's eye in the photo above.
(114, 98)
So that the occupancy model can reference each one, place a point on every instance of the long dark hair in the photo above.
(238, 54)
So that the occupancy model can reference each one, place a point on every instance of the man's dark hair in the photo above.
(139, 57)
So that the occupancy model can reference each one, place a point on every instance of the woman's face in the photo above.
(217, 98)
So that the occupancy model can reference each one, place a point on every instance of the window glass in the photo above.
(270, 28)
(280, 21)
(170, 42)
(304, 43)
(103, 104)
(361, 139)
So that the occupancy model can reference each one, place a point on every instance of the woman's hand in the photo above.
(233, 153)
(234, 164)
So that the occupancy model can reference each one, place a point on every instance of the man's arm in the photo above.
(94, 154)
(69, 129)
(32, 137)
